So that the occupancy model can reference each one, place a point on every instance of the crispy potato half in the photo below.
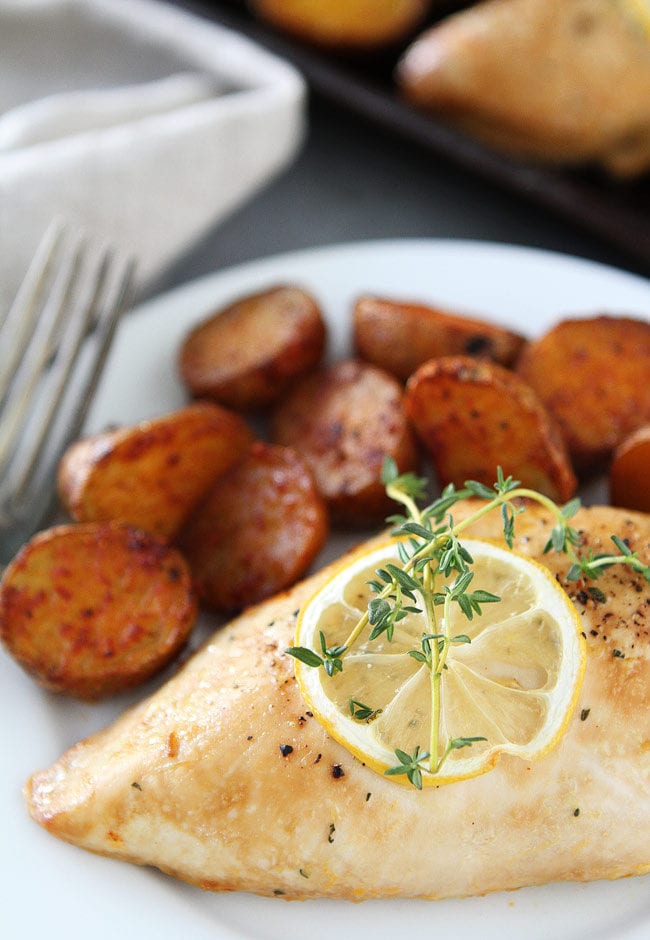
(592, 375)
(152, 474)
(474, 416)
(400, 336)
(344, 24)
(345, 419)
(246, 355)
(629, 472)
(91, 610)
(257, 531)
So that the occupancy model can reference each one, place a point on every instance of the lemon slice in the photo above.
(513, 679)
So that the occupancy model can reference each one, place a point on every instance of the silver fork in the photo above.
(54, 341)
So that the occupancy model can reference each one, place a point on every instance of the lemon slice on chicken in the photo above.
(512, 680)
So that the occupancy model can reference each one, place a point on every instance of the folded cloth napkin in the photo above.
(141, 123)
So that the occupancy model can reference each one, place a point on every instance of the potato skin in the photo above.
(246, 355)
(399, 336)
(344, 24)
(152, 474)
(592, 376)
(257, 531)
(344, 419)
(474, 415)
(91, 610)
(629, 472)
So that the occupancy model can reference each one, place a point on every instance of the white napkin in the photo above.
(140, 123)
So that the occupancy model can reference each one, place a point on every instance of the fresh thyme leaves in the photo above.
(362, 712)
(425, 655)
(591, 566)
(434, 574)
(330, 660)
(409, 764)
(469, 602)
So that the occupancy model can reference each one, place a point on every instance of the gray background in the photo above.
(354, 181)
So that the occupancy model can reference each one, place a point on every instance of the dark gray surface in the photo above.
(354, 181)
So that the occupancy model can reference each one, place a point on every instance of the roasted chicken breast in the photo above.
(563, 81)
(225, 780)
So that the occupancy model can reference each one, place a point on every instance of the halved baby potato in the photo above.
(345, 419)
(152, 474)
(591, 374)
(474, 416)
(400, 336)
(91, 610)
(344, 24)
(629, 472)
(257, 531)
(246, 355)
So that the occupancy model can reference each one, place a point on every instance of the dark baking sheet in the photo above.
(617, 212)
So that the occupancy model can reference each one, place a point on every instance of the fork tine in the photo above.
(41, 344)
(83, 308)
(101, 301)
(16, 324)
(118, 297)
(48, 396)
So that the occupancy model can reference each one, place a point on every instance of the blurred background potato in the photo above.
(361, 24)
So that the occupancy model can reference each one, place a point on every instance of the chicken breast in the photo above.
(225, 780)
(563, 81)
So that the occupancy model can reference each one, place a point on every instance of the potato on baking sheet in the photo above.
(399, 336)
(344, 24)
(94, 609)
(152, 474)
(474, 416)
(246, 355)
(592, 374)
(345, 419)
(257, 531)
(629, 472)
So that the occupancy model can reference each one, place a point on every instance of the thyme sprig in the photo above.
(591, 566)
(430, 550)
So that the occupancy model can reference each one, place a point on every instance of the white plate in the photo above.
(57, 890)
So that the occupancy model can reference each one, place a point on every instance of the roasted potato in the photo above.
(152, 474)
(246, 355)
(344, 24)
(629, 472)
(257, 531)
(474, 415)
(592, 376)
(399, 336)
(345, 419)
(93, 609)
